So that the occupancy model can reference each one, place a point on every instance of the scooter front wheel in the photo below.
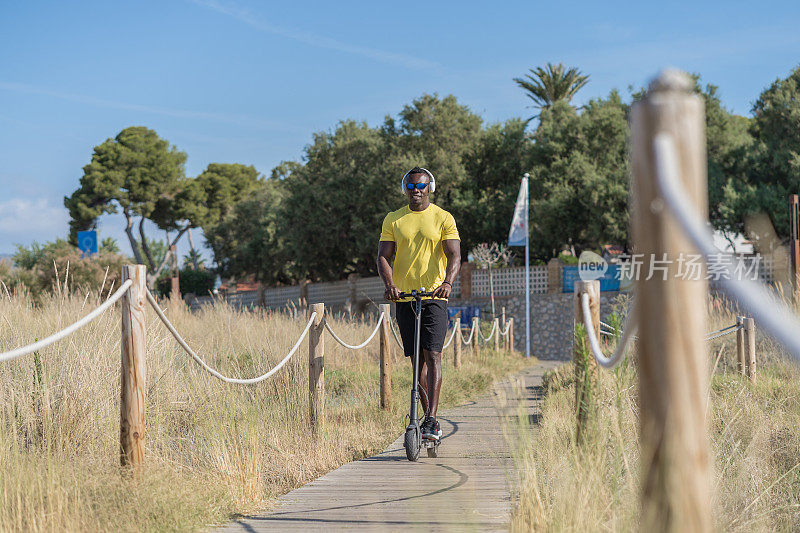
(412, 444)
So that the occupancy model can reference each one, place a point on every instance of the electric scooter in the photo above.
(413, 441)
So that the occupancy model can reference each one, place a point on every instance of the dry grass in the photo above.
(212, 449)
(755, 434)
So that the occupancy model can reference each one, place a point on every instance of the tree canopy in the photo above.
(140, 174)
(319, 218)
(772, 163)
(551, 84)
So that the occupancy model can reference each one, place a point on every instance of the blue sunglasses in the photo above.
(420, 186)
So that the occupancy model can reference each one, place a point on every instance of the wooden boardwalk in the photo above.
(466, 488)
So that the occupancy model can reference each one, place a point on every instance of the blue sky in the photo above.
(249, 82)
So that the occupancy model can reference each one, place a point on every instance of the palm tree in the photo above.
(546, 86)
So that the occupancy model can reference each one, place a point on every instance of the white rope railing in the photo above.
(396, 336)
(55, 337)
(608, 326)
(627, 335)
(471, 333)
(505, 331)
(737, 326)
(216, 374)
(355, 346)
(710, 336)
(776, 317)
(723, 332)
(491, 333)
(450, 340)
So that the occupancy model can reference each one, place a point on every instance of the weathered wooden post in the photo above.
(316, 368)
(476, 347)
(503, 323)
(496, 338)
(750, 347)
(386, 357)
(511, 334)
(742, 362)
(457, 342)
(673, 368)
(134, 369)
(585, 365)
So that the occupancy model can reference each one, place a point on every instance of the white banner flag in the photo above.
(518, 234)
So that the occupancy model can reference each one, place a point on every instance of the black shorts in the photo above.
(432, 329)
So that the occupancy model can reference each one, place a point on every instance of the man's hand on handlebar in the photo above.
(392, 293)
(442, 291)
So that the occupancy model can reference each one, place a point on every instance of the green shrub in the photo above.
(199, 282)
(59, 265)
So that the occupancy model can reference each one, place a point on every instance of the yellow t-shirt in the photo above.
(419, 259)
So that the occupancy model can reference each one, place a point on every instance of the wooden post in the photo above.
(496, 338)
(585, 365)
(316, 368)
(511, 335)
(386, 357)
(457, 342)
(750, 347)
(134, 370)
(503, 323)
(673, 367)
(742, 362)
(476, 349)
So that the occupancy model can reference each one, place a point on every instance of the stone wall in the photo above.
(551, 319)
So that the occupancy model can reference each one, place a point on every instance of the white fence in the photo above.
(508, 281)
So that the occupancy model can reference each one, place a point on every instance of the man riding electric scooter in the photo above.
(424, 242)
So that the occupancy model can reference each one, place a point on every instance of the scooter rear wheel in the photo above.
(412, 444)
(433, 451)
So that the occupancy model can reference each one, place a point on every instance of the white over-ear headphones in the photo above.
(426, 171)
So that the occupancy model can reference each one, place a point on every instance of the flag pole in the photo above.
(527, 274)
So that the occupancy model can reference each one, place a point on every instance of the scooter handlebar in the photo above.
(415, 294)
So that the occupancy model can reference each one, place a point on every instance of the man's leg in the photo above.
(433, 381)
(423, 383)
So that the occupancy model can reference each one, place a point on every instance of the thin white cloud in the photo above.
(240, 120)
(27, 219)
(232, 10)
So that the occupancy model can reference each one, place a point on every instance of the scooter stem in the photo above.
(415, 363)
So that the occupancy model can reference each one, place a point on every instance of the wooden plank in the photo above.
(467, 486)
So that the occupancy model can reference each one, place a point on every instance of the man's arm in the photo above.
(452, 250)
(386, 251)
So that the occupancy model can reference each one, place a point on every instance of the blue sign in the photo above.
(608, 282)
(87, 242)
(467, 313)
